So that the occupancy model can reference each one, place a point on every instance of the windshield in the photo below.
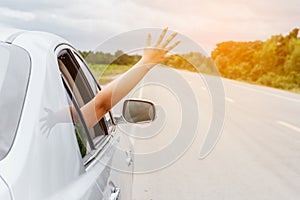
(14, 74)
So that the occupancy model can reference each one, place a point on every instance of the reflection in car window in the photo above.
(14, 76)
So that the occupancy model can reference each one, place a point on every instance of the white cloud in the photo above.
(85, 23)
(16, 14)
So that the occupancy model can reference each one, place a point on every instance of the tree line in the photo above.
(118, 58)
(274, 62)
(193, 61)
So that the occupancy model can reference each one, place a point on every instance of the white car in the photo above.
(43, 153)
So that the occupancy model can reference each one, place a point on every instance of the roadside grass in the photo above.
(106, 73)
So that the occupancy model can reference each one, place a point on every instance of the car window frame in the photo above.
(97, 147)
(85, 91)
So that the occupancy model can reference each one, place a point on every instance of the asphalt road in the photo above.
(256, 157)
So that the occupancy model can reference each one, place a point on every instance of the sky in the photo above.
(86, 23)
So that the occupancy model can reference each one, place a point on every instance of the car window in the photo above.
(93, 83)
(83, 87)
(14, 76)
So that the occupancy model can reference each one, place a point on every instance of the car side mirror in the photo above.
(138, 111)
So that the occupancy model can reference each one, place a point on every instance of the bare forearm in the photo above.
(120, 87)
(110, 95)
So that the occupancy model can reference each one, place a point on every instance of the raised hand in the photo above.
(156, 54)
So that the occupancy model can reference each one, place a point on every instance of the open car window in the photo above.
(84, 88)
(94, 86)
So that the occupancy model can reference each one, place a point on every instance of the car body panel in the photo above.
(8, 32)
(44, 162)
(4, 190)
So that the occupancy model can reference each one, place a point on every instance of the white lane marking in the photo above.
(295, 128)
(230, 100)
(203, 88)
(264, 92)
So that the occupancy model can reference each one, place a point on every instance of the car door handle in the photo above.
(115, 191)
(115, 194)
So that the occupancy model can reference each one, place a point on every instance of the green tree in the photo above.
(275, 62)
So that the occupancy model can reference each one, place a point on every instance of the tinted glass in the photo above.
(14, 76)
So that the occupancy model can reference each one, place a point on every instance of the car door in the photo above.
(107, 164)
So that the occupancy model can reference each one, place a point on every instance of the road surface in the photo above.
(256, 157)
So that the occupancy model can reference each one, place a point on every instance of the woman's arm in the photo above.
(109, 96)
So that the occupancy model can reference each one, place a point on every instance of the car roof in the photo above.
(18, 36)
(7, 33)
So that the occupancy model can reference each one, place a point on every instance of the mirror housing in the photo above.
(138, 111)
